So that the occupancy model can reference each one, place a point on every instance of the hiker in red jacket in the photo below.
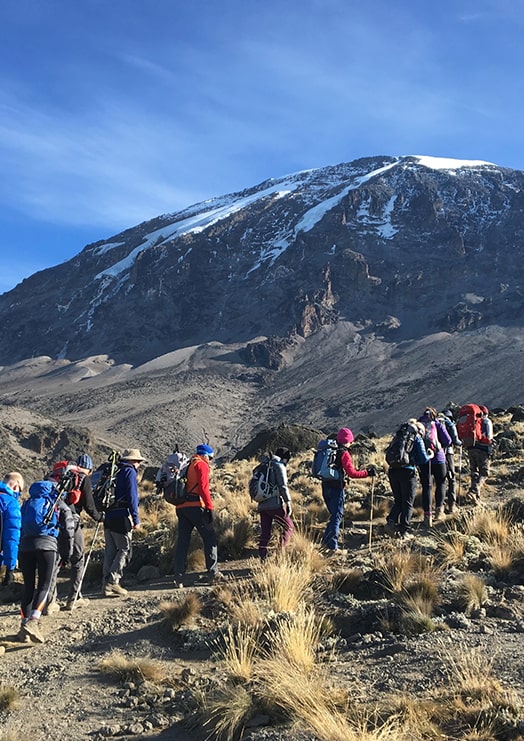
(197, 512)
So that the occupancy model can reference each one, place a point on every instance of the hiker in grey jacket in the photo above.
(276, 509)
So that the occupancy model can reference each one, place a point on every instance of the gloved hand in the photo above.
(209, 516)
(372, 470)
(9, 578)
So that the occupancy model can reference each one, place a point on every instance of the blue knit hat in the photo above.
(205, 450)
(84, 461)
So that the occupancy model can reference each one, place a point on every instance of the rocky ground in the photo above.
(368, 654)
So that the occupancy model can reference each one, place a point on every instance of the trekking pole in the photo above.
(86, 564)
(371, 511)
(460, 475)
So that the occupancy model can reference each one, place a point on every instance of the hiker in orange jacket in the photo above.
(197, 512)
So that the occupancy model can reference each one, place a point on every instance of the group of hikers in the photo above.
(45, 531)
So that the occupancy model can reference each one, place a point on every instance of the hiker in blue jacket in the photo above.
(10, 523)
(119, 522)
(37, 553)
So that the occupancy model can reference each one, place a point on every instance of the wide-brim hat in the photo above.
(132, 454)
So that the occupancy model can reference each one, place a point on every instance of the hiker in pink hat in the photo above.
(333, 491)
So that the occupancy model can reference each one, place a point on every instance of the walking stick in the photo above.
(371, 511)
(86, 564)
(460, 475)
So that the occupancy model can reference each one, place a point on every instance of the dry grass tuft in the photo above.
(9, 698)
(472, 592)
(227, 712)
(181, 612)
(234, 536)
(282, 583)
(396, 567)
(347, 581)
(131, 670)
(303, 551)
(238, 648)
(242, 606)
(298, 637)
(489, 526)
(451, 548)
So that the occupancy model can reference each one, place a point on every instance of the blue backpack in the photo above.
(38, 512)
(325, 466)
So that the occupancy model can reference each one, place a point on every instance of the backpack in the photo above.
(39, 517)
(431, 440)
(171, 467)
(469, 426)
(325, 465)
(261, 484)
(103, 482)
(176, 491)
(400, 446)
(68, 479)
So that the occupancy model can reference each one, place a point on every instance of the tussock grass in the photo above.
(131, 670)
(416, 614)
(234, 536)
(298, 637)
(492, 527)
(12, 736)
(181, 612)
(237, 649)
(303, 551)
(472, 592)
(282, 583)
(241, 603)
(227, 712)
(451, 548)
(508, 556)
(396, 567)
(308, 701)
(347, 581)
(9, 698)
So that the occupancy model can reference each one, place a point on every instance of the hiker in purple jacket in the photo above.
(438, 441)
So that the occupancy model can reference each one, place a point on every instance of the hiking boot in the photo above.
(51, 608)
(438, 513)
(215, 577)
(390, 528)
(22, 636)
(450, 509)
(80, 602)
(428, 520)
(406, 536)
(32, 629)
(114, 590)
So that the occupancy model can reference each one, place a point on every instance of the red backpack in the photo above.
(469, 426)
(68, 479)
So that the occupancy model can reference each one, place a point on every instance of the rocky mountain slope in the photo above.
(352, 294)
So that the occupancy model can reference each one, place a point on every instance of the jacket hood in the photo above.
(5, 489)
(41, 489)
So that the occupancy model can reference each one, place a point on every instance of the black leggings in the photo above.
(37, 570)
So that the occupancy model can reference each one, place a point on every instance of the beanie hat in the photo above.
(483, 409)
(205, 450)
(84, 461)
(345, 436)
(283, 453)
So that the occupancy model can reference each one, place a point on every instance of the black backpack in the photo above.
(103, 481)
(401, 445)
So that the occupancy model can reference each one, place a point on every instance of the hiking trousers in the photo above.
(77, 565)
(403, 482)
(117, 554)
(450, 475)
(190, 518)
(282, 520)
(37, 570)
(334, 498)
(478, 468)
(438, 474)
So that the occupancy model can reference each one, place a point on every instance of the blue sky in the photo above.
(115, 111)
